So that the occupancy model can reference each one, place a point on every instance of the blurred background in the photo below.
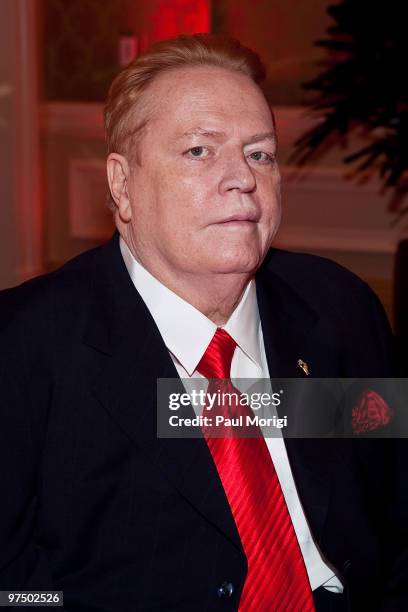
(57, 58)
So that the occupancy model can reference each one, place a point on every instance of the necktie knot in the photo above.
(216, 361)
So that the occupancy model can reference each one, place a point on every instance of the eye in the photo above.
(198, 152)
(261, 156)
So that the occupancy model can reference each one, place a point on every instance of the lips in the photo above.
(240, 217)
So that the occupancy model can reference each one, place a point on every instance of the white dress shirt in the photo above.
(187, 333)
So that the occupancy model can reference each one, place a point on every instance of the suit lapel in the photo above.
(287, 321)
(122, 329)
(290, 332)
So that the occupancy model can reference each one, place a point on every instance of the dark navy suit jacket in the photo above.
(92, 503)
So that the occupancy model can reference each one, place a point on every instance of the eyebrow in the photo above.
(263, 136)
(198, 131)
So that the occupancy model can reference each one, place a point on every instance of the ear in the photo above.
(117, 169)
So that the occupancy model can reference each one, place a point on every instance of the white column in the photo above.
(21, 215)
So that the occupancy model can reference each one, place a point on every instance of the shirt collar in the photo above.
(185, 330)
(243, 325)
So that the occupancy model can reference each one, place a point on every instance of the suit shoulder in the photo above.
(352, 312)
(307, 270)
(34, 298)
(325, 284)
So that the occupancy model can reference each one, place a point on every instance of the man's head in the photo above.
(191, 164)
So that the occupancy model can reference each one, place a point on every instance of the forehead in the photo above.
(210, 96)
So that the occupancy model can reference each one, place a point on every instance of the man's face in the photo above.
(204, 192)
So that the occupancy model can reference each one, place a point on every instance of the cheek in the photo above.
(271, 215)
(275, 210)
(270, 197)
(184, 202)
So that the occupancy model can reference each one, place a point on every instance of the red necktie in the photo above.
(277, 579)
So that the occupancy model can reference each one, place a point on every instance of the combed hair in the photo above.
(124, 113)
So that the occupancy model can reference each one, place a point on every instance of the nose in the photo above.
(237, 174)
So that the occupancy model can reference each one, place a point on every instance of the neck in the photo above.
(216, 295)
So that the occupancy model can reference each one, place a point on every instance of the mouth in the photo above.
(238, 220)
(237, 224)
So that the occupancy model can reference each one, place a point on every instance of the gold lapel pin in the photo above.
(302, 364)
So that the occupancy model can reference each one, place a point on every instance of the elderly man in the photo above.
(94, 503)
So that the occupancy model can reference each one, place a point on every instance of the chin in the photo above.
(237, 263)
